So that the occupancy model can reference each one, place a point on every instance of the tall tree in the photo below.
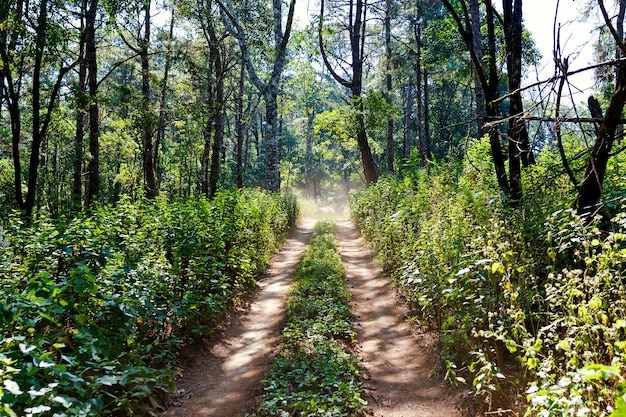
(239, 126)
(28, 51)
(269, 88)
(519, 147)
(93, 167)
(80, 98)
(388, 86)
(163, 104)
(355, 26)
(135, 29)
(468, 23)
(590, 190)
(217, 102)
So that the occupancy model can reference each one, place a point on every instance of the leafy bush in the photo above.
(523, 297)
(314, 374)
(93, 309)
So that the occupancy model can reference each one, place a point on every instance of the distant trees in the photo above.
(182, 99)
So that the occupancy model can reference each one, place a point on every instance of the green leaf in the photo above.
(13, 387)
(108, 380)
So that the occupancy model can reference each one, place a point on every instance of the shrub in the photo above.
(94, 308)
(527, 297)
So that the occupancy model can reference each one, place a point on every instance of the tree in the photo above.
(270, 87)
(87, 101)
(519, 148)
(468, 23)
(355, 26)
(28, 52)
(135, 29)
(388, 86)
(204, 12)
(590, 190)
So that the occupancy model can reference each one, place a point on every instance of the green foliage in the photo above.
(529, 297)
(315, 375)
(93, 309)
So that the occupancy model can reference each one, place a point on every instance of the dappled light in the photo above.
(321, 208)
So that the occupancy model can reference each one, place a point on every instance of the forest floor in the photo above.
(220, 376)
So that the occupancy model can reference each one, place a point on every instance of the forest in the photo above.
(154, 155)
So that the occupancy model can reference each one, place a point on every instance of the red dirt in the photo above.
(221, 375)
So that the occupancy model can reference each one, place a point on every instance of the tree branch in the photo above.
(337, 77)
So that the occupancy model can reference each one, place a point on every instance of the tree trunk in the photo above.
(488, 78)
(426, 120)
(239, 127)
(591, 188)
(217, 110)
(408, 117)
(272, 157)
(519, 148)
(420, 92)
(41, 114)
(79, 136)
(147, 140)
(356, 30)
(388, 83)
(308, 154)
(270, 87)
(93, 168)
(163, 101)
(205, 160)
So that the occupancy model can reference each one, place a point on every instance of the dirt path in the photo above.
(221, 376)
(398, 360)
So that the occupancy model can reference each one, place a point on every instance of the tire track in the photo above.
(222, 375)
(398, 362)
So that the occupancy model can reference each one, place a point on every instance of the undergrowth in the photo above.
(93, 309)
(530, 301)
(315, 374)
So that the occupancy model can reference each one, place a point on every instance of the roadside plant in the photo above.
(94, 309)
(528, 299)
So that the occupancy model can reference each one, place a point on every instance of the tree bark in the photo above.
(269, 88)
(591, 187)
(239, 127)
(41, 111)
(80, 98)
(519, 147)
(161, 125)
(469, 25)
(425, 139)
(417, 31)
(147, 138)
(93, 168)
(217, 110)
(388, 85)
(408, 117)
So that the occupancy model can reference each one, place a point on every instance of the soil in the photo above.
(220, 376)
(399, 360)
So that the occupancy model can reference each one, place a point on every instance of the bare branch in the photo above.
(607, 20)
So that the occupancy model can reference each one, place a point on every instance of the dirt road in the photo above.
(221, 376)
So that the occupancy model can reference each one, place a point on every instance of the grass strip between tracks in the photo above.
(315, 373)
